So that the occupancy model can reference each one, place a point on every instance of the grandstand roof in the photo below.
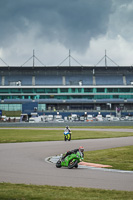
(63, 67)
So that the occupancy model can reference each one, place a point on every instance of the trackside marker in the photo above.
(94, 165)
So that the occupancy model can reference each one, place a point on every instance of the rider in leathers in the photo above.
(80, 149)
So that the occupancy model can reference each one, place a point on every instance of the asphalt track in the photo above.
(25, 163)
(78, 129)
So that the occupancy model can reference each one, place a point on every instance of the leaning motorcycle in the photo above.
(70, 161)
(67, 135)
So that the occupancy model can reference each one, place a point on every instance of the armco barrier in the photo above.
(63, 124)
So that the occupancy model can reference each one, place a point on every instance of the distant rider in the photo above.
(67, 129)
(80, 149)
(67, 133)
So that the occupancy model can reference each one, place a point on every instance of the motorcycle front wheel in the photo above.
(58, 164)
(76, 166)
(65, 138)
(72, 164)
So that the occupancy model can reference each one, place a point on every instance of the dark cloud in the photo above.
(72, 22)
(121, 22)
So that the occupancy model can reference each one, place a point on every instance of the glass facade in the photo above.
(66, 93)
(11, 107)
(65, 97)
(18, 107)
(41, 107)
(64, 90)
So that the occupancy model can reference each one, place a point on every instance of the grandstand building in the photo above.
(67, 88)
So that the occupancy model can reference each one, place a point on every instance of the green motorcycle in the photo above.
(70, 161)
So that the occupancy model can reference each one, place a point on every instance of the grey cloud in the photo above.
(72, 22)
(121, 22)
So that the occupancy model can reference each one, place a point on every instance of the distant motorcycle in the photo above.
(70, 161)
(67, 135)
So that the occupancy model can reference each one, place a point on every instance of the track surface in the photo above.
(25, 163)
(78, 129)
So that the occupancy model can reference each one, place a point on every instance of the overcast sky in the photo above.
(52, 27)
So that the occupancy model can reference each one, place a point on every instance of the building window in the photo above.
(88, 90)
(50, 90)
(100, 90)
(64, 90)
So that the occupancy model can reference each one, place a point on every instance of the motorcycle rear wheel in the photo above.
(72, 164)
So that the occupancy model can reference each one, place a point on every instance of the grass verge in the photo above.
(17, 135)
(119, 158)
(29, 192)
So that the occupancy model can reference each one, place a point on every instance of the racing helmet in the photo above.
(81, 149)
(67, 127)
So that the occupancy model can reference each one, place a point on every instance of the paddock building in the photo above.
(67, 88)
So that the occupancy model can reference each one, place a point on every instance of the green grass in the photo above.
(31, 192)
(119, 158)
(11, 113)
(17, 135)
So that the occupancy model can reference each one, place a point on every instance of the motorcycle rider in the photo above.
(68, 129)
(80, 149)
